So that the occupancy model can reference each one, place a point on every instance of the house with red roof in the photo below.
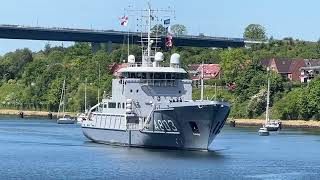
(114, 68)
(210, 71)
(288, 68)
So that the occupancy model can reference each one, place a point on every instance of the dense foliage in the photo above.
(255, 32)
(33, 80)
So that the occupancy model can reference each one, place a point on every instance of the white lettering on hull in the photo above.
(165, 126)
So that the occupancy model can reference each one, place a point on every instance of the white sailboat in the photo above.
(64, 119)
(82, 116)
(270, 125)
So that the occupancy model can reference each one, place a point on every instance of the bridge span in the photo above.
(108, 36)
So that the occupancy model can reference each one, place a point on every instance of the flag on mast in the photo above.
(169, 43)
(166, 22)
(124, 21)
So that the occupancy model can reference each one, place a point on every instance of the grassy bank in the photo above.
(30, 113)
(285, 123)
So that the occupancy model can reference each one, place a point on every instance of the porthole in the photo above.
(179, 92)
(131, 90)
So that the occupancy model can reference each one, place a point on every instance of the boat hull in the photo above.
(272, 128)
(263, 133)
(65, 121)
(183, 127)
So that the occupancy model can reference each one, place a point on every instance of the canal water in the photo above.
(34, 148)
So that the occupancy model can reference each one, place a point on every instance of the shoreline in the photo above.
(29, 113)
(239, 122)
(285, 123)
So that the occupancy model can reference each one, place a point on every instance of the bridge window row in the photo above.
(158, 75)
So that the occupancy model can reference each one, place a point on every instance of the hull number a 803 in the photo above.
(165, 125)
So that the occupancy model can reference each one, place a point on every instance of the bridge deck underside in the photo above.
(113, 36)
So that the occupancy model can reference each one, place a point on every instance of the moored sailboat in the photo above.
(64, 119)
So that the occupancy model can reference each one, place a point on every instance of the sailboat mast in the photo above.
(85, 96)
(64, 96)
(99, 74)
(202, 86)
(268, 98)
(61, 96)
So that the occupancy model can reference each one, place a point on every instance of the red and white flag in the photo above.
(124, 21)
(169, 43)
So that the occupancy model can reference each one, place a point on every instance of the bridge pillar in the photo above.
(95, 47)
(109, 46)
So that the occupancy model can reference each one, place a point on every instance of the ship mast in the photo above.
(149, 32)
(147, 41)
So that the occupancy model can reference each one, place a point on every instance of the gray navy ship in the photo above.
(151, 106)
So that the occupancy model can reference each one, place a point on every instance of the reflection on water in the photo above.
(41, 149)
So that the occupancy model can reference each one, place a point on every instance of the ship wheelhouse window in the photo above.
(144, 76)
(168, 76)
(112, 105)
(123, 105)
(105, 106)
(132, 75)
(159, 75)
(125, 75)
(139, 75)
(194, 128)
(151, 76)
(119, 105)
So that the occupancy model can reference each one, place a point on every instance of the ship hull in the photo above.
(181, 127)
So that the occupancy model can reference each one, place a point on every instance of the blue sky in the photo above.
(227, 18)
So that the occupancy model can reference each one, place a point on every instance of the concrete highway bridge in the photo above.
(110, 36)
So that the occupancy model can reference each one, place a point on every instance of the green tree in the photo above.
(178, 29)
(232, 61)
(288, 107)
(255, 32)
(13, 63)
(158, 29)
